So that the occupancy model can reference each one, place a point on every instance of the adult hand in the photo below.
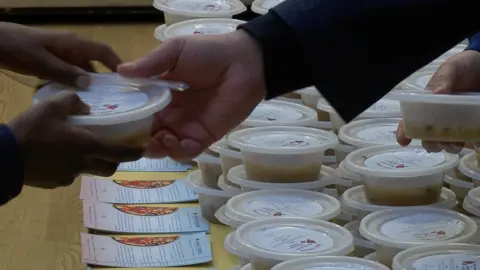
(225, 75)
(51, 55)
(459, 73)
(55, 152)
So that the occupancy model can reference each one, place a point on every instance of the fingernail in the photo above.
(82, 82)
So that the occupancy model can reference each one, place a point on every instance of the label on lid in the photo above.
(268, 4)
(291, 240)
(380, 134)
(208, 6)
(265, 112)
(113, 101)
(405, 159)
(281, 140)
(281, 205)
(422, 227)
(422, 81)
(385, 105)
(448, 262)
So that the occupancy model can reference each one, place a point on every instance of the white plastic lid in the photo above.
(281, 203)
(469, 166)
(280, 113)
(414, 226)
(238, 176)
(210, 26)
(282, 140)
(381, 109)
(207, 158)
(419, 96)
(419, 79)
(452, 181)
(397, 161)
(160, 32)
(330, 263)
(355, 199)
(359, 240)
(194, 179)
(433, 257)
(288, 238)
(371, 132)
(310, 91)
(470, 206)
(473, 197)
(113, 99)
(223, 185)
(201, 8)
(371, 257)
(262, 6)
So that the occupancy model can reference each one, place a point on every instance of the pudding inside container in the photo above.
(446, 256)
(210, 168)
(310, 97)
(270, 241)
(401, 176)
(255, 205)
(355, 203)
(439, 117)
(183, 10)
(384, 108)
(121, 110)
(210, 199)
(330, 263)
(346, 179)
(229, 158)
(209, 26)
(282, 154)
(395, 230)
(263, 6)
(279, 113)
(238, 176)
(363, 247)
(469, 168)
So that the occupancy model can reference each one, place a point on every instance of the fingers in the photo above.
(100, 167)
(66, 103)
(402, 139)
(450, 147)
(158, 61)
(96, 51)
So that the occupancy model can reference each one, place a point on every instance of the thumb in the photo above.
(442, 80)
(67, 103)
(156, 62)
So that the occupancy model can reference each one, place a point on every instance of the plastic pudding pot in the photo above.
(355, 203)
(210, 199)
(223, 185)
(282, 154)
(228, 159)
(371, 257)
(458, 186)
(121, 110)
(238, 176)
(280, 113)
(401, 176)
(345, 179)
(183, 10)
(450, 256)
(210, 26)
(395, 230)
(330, 263)
(255, 205)
(384, 108)
(472, 202)
(231, 248)
(159, 33)
(268, 242)
(419, 79)
(439, 117)
(263, 6)
(363, 247)
(469, 167)
(310, 97)
(210, 168)
(293, 100)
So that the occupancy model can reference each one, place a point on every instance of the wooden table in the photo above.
(40, 229)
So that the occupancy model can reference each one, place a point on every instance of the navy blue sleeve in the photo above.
(355, 51)
(11, 166)
(474, 43)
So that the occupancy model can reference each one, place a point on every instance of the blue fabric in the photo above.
(11, 166)
(474, 43)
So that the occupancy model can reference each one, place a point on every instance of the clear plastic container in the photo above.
(280, 113)
(472, 202)
(330, 263)
(401, 176)
(355, 203)
(263, 6)
(439, 117)
(282, 154)
(310, 97)
(363, 247)
(210, 168)
(371, 257)
(395, 230)
(159, 33)
(209, 26)
(223, 185)
(268, 242)
(446, 256)
(255, 205)
(183, 10)
(210, 199)
(229, 158)
(122, 110)
(469, 168)
(384, 108)
(231, 248)
(346, 179)
(238, 176)
(458, 186)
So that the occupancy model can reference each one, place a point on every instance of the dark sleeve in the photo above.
(474, 43)
(355, 51)
(11, 166)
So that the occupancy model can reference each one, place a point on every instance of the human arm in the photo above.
(11, 165)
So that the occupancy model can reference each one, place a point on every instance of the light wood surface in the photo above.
(75, 3)
(40, 229)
